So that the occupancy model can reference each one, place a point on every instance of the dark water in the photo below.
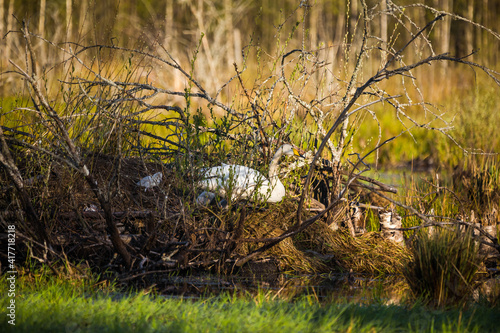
(402, 178)
(323, 288)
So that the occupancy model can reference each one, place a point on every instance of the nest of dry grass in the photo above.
(165, 228)
(369, 253)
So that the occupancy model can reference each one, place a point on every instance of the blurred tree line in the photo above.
(230, 25)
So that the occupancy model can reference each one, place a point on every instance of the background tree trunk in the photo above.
(83, 18)
(445, 29)
(383, 30)
(69, 14)
(169, 39)
(469, 32)
(2, 18)
(10, 26)
(41, 28)
(313, 26)
(228, 20)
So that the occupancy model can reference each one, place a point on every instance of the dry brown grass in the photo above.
(369, 253)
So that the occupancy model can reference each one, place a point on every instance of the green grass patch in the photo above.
(54, 305)
(472, 123)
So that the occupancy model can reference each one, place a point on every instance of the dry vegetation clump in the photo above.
(272, 222)
(70, 210)
(478, 188)
(369, 253)
(443, 267)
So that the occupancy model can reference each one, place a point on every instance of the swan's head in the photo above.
(289, 150)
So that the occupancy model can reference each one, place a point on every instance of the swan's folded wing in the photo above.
(219, 177)
(250, 183)
(242, 181)
(243, 177)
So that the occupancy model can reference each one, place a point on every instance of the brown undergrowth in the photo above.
(164, 225)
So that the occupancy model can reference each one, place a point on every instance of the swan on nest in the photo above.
(244, 182)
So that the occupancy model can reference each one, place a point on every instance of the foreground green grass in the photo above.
(58, 306)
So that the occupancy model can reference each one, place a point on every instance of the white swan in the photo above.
(244, 182)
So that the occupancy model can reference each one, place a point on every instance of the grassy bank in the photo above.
(51, 305)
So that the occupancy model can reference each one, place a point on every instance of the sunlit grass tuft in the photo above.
(443, 266)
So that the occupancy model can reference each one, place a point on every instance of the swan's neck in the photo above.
(277, 188)
(273, 168)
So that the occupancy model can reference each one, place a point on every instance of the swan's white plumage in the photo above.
(247, 183)
(150, 181)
